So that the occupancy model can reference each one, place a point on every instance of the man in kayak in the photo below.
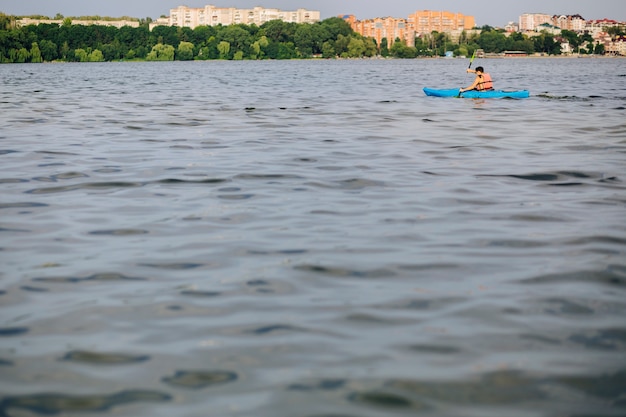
(482, 82)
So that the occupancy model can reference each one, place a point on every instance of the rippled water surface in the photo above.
(312, 239)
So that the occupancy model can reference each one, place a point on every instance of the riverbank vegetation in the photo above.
(276, 39)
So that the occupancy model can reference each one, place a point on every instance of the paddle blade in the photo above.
(472, 59)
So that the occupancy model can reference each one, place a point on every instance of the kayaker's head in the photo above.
(480, 69)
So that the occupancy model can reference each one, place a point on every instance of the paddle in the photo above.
(468, 67)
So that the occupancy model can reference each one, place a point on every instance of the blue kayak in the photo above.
(454, 92)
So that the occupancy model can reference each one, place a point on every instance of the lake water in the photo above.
(312, 239)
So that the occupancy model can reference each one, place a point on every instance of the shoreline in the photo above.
(375, 58)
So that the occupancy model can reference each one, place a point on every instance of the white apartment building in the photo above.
(191, 17)
(25, 21)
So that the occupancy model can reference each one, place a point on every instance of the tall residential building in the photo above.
(191, 17)
(426, 21)
(382, 27)
(530, 21)
(421, 22)
(570, 22)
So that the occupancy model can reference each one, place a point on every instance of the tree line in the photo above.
(275, 39)
(492, 40)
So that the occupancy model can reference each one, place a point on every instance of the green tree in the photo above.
(336, 26)
(287, 51)
(303, 40)
(615, 31)
(400, 50)
(384, 47)
(184, 51)
(81, 55)
(328, 50)
(224, 49)
(355, 48)
(201, 34)
(35, 53)
(263, 43)
(422, 46)
(167, 35)
(161, 52)
(96, 56)
(492, 41)
(65, 52)
(209, 49)
(237, 36)
(599, 49)
(48, 50)
(572, 38)
(545, 43)
(341, 44)
(278, 31)
(22, 56)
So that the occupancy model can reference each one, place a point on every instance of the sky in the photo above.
(486, 12)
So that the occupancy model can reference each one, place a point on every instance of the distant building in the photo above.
(597, 26)
(191, 17)
(530, 21)
(117, 23)
(427, 21)
(382, 28)
(418, 23)
(548, 28)
(569, 22)
(511, 27)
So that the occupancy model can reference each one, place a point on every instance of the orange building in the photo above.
(426, 21)
(382, 27)
(421, 22)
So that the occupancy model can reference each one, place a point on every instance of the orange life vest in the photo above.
(486, 84)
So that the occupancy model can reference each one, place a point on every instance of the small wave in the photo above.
(613, 275)
(386, 400)
(266, 176)
(344, 272)
(200, 379)
(98, 358)
(562, 178)
(105, 276)
(202, 181)
(22, 205)
(84, 186)
(12, 180)
(605, 339)
(13, 331)
(119, 184)
(57, 153)
(577, 98)
(349, 184)
(45, 403)
(174, 266)
(198, 293)
(119, 232)
(275, 328)
(322, 384)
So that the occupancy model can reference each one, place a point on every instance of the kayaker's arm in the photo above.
(473, 86)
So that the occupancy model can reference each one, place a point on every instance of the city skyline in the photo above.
(486, 12)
